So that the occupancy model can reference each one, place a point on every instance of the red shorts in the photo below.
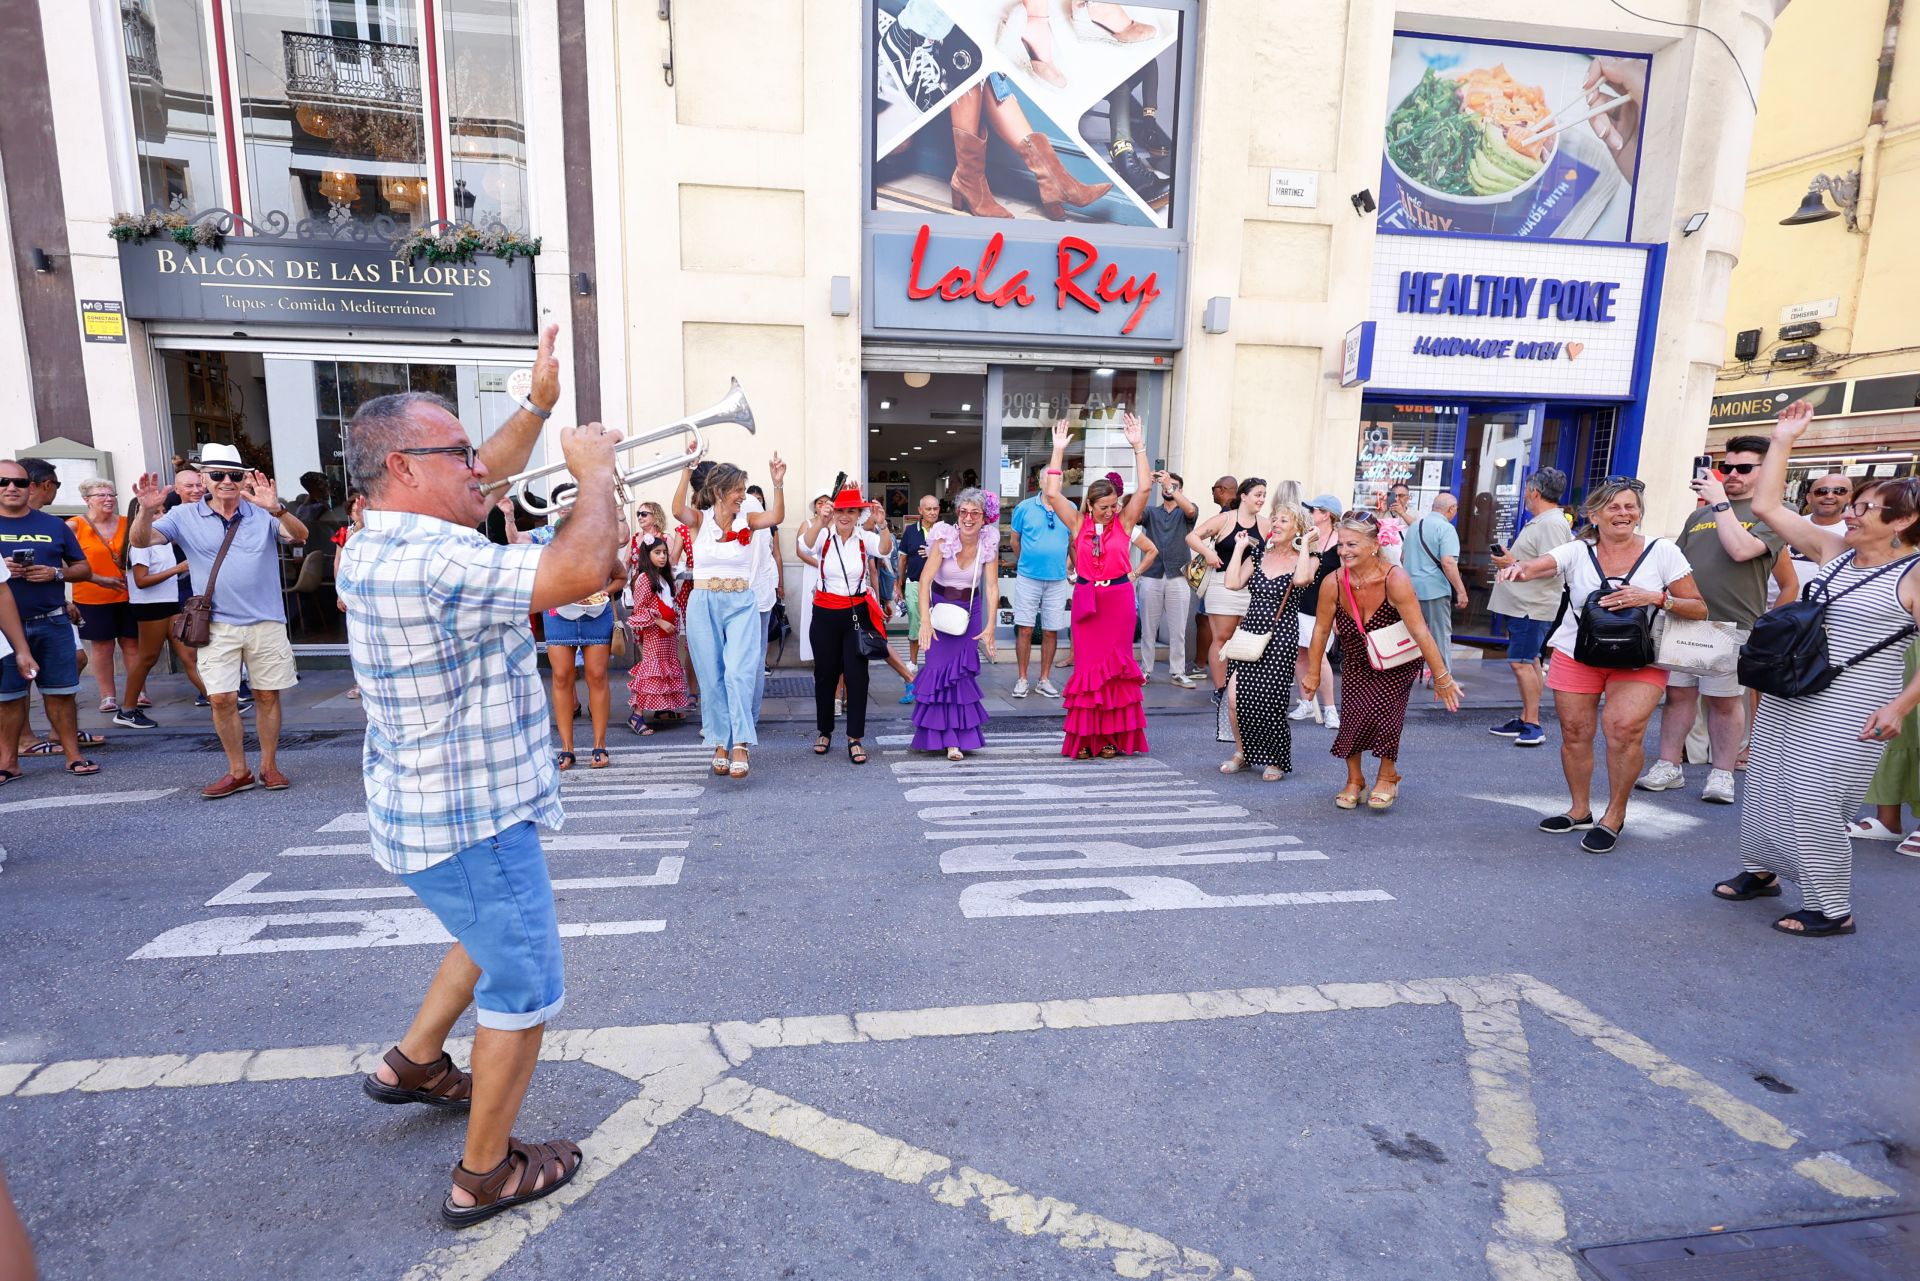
(1568, 675)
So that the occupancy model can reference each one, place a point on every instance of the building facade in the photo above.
(1345, 242)
(1822, 309)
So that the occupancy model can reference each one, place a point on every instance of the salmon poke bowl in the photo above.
(1466, 142)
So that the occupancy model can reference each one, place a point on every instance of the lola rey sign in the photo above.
(995, 285)
(318, 282)
(1502, 317)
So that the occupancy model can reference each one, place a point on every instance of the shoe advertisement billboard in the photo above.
(1491, 138)
(1056, 110)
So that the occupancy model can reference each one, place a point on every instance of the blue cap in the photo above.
(1329, 504)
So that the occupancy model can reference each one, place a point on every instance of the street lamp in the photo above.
(1845, 191)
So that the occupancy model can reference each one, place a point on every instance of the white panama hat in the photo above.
(217, 455)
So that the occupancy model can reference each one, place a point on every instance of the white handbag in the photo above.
(1387, 647)
(1698, 648)
(1245, 646)
(950, 619)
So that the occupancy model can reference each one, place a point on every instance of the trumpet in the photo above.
(731, 408)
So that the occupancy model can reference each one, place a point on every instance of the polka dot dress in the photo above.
(1261, 689)
(1373, 705)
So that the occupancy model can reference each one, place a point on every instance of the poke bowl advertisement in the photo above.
(1499, 139)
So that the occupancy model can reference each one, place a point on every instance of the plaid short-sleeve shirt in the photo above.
(457, 731)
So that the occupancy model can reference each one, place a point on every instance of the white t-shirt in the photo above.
(840, 564)
(1664, 564)
(157, 559)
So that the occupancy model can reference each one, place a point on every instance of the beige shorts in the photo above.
(1727, 686)
(263, 647)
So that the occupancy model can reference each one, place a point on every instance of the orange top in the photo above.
(104, 560)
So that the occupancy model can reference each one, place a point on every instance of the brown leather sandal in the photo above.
(558, 1160)
(438, 1084)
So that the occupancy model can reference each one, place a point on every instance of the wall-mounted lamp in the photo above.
(1214, 317)
(1694, 224)
(582, 284)
(1845, 191)
(41, 262)
(840, 295)
(1363, 202)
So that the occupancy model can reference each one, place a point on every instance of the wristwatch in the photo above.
(532, 408)
(278, 512)
(1721, 507)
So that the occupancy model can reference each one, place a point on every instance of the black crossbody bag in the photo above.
(1619, 639)
(1786, 654)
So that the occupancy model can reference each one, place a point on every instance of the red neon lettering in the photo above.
(1065, 285)
(959, 283)
(916, 290)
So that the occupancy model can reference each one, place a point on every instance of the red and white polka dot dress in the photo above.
(1373, 705)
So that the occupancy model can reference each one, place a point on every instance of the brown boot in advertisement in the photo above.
(1057, 187)
(970, 191)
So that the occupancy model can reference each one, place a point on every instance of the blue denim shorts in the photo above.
(51, 642)
(495, 898)
(1526, 638)
(581, 632)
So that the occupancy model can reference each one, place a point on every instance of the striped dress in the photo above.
(1807, 769)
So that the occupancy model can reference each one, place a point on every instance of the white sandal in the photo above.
(1911, 846)
(1234, 766)
(1872, 829)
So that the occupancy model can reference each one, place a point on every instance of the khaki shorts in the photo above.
(1727, 686)
(263, 647)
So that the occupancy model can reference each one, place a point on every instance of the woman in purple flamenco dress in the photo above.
(1105, 700)
(962, 573)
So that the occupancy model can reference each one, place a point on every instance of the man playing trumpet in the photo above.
(458, 771)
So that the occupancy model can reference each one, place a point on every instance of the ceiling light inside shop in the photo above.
(886, 404)
(1104, 373)
(953, 431)
(916, 379)
(966, 407)
(917, 448)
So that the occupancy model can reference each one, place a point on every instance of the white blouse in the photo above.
(715, 559)
(840, 563)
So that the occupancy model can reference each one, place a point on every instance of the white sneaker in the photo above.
(1333, 719)
(1020, 688)
(1046, 687)
(1183, 681)
(1304, 711)
(1664, 776)
(1719, 788)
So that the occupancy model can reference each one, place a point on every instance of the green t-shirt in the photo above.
(1735, 591)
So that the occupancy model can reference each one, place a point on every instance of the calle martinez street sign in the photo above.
(261, 281)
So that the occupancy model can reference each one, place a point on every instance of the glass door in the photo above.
(1496, 457)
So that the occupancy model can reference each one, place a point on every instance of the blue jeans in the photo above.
(726, 654)
(926, 18)
(760, 667)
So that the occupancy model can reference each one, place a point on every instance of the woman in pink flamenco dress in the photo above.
(1106, 706)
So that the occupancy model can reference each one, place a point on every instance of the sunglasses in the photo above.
(1739, 469)
(226, 475)
(1634, 483)
(1365, 518)
(1051, 522)
(465, 453)
(1830, 493)
(14, 482)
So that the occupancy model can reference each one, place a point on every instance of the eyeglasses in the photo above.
(1739, 469)
(974, 512)
(1861, 509)
(1830, 492)
(14, 482)
(465, 453)
(1634, 483)
(226, 475)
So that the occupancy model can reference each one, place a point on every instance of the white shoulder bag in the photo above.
(1387, 647)
(1697, 648)
(950, 619)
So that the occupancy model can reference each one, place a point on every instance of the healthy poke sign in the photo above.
(1482, 315)
(1069, 285)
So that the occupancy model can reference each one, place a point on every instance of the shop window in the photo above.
(480, 65)
(170, 88)
(1092, 401)
(331, 96)
(924, 437)
(1411, 445)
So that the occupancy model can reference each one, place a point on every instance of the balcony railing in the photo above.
(339, 69)
(143, 49)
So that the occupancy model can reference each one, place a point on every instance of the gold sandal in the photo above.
(1383, 795)
(1349, 798)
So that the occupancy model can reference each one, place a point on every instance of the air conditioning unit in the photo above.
(1800, 353)
(1799, 330)
(1746, 344)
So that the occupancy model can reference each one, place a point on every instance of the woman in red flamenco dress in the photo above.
(1105, 702)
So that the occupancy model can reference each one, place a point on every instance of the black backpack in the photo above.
(1786, 653)
(1613, 638)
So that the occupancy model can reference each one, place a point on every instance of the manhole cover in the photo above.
(1886, 1248)
(789, 687)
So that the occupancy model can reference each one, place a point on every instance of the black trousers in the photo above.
(836, 653)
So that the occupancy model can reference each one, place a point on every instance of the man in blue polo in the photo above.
(1040, 594)
(43, 556)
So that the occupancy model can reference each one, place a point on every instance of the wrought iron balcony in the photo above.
(143, 48)
(342, 70)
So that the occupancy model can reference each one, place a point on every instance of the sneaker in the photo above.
(1304, 711)
(1020, 688)
(908, 696)
(1046, 687)
(1530, 735)
(1663, 777)
(908, 59)
(108, 705)
(1184, 681)
(245, 703)
(1333, 719)
(1719, 788)
(201, 700)
(135, 719)
(1508, 729)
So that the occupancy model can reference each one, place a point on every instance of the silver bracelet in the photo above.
(532, 408)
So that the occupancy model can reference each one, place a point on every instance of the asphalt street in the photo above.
(1017, 1018)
